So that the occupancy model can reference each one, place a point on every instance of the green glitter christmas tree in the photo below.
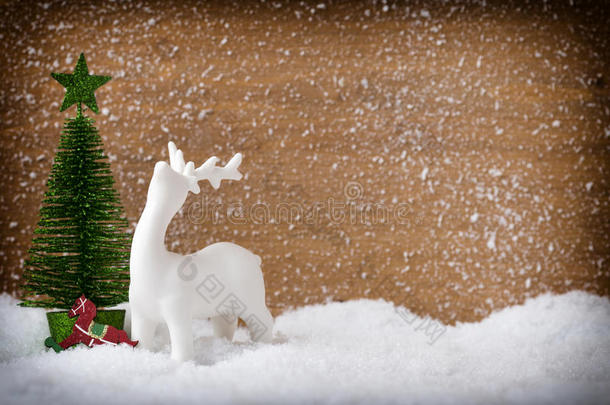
(80, 245)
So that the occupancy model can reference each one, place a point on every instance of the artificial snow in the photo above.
(552, 349)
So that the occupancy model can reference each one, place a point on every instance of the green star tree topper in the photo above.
(80, 245)
(80, 86)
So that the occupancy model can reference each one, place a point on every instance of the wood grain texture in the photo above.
(452, 158)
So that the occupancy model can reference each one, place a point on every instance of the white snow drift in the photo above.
(553, 349)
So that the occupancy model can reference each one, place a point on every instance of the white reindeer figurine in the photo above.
(223, 281)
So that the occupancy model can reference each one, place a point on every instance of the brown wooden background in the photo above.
(481, 131)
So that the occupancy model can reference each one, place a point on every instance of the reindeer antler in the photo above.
(207, 171)
(176, 158)
(214, 174)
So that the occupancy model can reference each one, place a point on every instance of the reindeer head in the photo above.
(173, 182)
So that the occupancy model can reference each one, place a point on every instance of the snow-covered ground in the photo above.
(553, 349)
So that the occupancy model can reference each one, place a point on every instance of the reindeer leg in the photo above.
(142, 330)
(224, 328)
(180, 324)
(260, 324)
